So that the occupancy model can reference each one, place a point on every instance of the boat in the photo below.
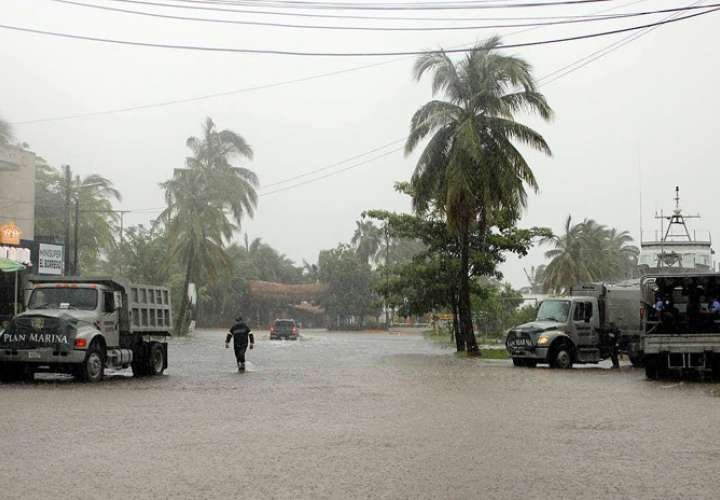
(675, 248)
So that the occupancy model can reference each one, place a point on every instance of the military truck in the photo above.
(83, 325)
(681, 330)
(583, 327)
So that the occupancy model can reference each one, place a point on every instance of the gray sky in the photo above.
(648, 108)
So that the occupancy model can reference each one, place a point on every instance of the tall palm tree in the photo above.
(588, 251)
(568, 265)
(368, 240)
(206, 203)
(470, 167)
(94, 196)
(6, 134)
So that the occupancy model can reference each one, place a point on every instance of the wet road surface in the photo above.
(358, 415)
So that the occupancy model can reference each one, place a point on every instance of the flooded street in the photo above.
(358, 415)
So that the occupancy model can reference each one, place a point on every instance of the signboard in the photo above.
(10, 234)
(50, 259)
(16, 254)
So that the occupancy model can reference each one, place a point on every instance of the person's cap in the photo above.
(239, 318)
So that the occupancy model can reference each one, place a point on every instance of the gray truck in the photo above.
(681, 329)
(83, 325)
(583, 327)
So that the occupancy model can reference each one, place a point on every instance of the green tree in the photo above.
(142, 255)
(470, 167)
(93, 195)
(206, 203)
(349, 294)
(369, 240)
(588, 251)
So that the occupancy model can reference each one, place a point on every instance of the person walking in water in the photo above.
(241, 335)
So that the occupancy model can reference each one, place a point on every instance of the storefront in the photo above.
(12, 251)
(37, 257)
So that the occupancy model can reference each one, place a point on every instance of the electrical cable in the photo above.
(411, 7)
(607, 17)
(258, 87)
(349, 54)
(340, 16)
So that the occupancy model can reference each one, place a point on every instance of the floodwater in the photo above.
(358, 415)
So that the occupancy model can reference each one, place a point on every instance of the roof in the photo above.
(292, 293)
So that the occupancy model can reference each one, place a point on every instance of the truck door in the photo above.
(110, 324)
(581, 318)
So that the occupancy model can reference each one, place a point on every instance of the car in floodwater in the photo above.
(284, 329)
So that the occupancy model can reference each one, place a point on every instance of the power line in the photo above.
(563, 72)
(409, 6)
(258, 87)
(572, 20)
(349, 54)
(332, 16)
(594, 56)
(206, 96)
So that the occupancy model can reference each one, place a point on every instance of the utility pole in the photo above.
(77, 231)
(387, 275)
(66, 250)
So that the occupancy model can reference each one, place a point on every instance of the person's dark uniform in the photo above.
(240, 333)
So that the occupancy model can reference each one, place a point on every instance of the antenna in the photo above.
(641, 207)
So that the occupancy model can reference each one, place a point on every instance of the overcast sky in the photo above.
(646, 110)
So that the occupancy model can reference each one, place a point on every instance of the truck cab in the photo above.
(565, 331)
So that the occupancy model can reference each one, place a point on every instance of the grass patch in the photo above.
(446, 340)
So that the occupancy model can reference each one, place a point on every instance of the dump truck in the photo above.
(81, 326)
(681, 325)
(584, 327)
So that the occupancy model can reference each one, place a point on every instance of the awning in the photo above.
(10, 266)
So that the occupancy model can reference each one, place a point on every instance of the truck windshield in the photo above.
(71, 298)
(555, 310)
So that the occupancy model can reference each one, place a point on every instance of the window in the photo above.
(68, 298)
(108, 302)
(579, 312)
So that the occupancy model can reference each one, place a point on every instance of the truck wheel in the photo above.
(651, 367)
(93, 367)
(519, 361)
(156, 361)
(561, 357)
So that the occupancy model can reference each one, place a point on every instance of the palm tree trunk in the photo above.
(182, 323)
(464, 305)
(459, 338)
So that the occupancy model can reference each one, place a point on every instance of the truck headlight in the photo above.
(543, 340)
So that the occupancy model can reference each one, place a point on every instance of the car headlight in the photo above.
(543, 340)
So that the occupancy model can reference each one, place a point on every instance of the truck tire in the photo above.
(93, 367)
(560, 356)
(156, 360)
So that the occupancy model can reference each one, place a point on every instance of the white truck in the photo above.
(584, 327)
(83, 325)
